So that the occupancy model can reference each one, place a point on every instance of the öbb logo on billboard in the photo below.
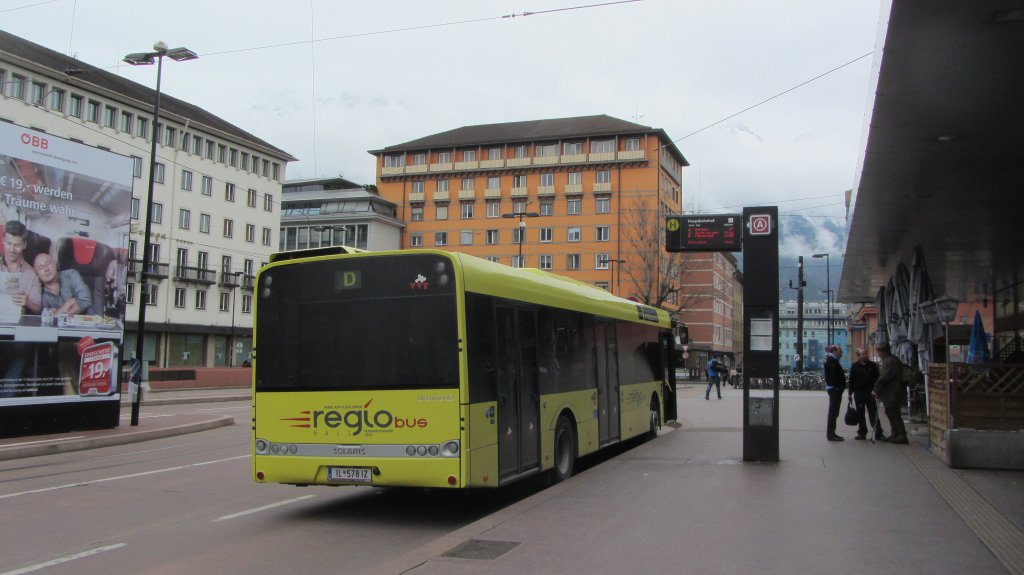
(356, 420)
(34, 141)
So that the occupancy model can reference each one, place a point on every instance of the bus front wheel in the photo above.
(565, 450)
(655, 419)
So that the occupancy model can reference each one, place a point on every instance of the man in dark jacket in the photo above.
(835, 385)
(863, 375)
(889, 390)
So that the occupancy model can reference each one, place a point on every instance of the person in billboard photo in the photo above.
(26, 292)
(64, 291)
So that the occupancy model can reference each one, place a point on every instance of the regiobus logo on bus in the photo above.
(356, 419)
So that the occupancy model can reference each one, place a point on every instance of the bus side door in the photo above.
(518, 395)
(607, 381)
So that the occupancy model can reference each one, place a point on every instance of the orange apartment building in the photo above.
(592, 192)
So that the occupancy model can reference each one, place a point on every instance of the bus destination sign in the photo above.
(707, 233)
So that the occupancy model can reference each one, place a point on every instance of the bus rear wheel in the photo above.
(565, 450)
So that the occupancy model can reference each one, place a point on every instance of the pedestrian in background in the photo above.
(714, 369)
(835, 385)
(863, 375)
(889, 389)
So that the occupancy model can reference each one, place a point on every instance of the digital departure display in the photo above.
(709, 233)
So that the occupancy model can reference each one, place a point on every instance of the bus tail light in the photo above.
(450, 448)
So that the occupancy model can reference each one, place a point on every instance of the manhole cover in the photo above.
(480, 549)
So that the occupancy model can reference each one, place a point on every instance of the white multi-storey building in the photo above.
(216, 205)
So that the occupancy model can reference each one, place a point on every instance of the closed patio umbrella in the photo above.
(978, 352)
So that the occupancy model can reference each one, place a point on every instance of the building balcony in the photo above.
(545, 160)
(248, 281)
(195, 274)
(467, 165)
(603, 187)
(156, 270)
(545, 190)
(492, 193)
(632, 155)
(230, 279)
(392, 170)
(416, 169)
(574, 188)
(416, 196)
(467, 194)
(440, 196)
(574, 158)
(443, 167)
(517, 162)
(490, 164)
(602, 157)
(519, 192)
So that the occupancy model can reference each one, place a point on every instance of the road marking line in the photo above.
(258, 509)
(246, 407)
(53, 562)
(129, 476)
(6, 445)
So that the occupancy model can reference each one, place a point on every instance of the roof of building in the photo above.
(79, 72)
(329, 183)
(534, 130)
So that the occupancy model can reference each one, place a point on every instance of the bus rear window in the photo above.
(374, 322)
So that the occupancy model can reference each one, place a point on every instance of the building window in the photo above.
(572, 262)
(601, 261)
(158, 173)
(222, 153)
(229, 228)
(170, 136)
(149, 295)
(184, 141)
(268, 202)
(417, 187)
(442, 185)
(245, 161)
(416, 213)
(129, 293)
(632, 144)
(251, 201)
(276, 170)
(545, 150)
(573, 206)
(520, 151)
(573, 235)
(204, 223)
(135, 208)
(137, 166)
(468, 183)
(210, 147)
(544, 262)
(572, 148)
(184, 218)
(186, 180)
(444, 157)
(494, 208)
(246, 303)
(200, 299)
(603, 205)
(92, 111)
(229, 192)
(601, 234)
(75, 106)
(207, 186)
(494, 259)
(197, 145)
(602, 146)
(467, 210)
(494, 154)
(518, 261)
(419, 159)
(469, 155)
(518, 182)
(440, 238)
(416, 240)
(250, 233)
(233, 156)
(392, 161)
(518, 235)
(441, 212)
(142, 128)
(546, 235)
(518, 206)
(109, 116)
(547, 179)
(179, 297)
(127, 120)
(547, 206)
(466, 237)
(225, 301)
(603, 177)
(266, 236)
(491, 237)
(157, 216)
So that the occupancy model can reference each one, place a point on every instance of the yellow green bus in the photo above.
(428, 368)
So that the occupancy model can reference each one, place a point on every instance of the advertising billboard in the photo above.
(64, 217)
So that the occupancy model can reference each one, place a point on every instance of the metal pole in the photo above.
(522, 237)
(800, 315)
(144, 286)
(828, 296)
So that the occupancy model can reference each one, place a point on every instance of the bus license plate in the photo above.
(349, 474)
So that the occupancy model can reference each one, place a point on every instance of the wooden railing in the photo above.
(989, 397)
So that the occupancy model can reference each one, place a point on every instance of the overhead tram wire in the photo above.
(28, 6)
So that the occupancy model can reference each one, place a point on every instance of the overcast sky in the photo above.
(366, 83)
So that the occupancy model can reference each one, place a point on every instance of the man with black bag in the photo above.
(890, 390)
(863, 375)
(835, 385)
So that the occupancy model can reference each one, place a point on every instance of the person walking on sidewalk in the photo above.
(863, 374)
(889, 390)
(835, 385)
(714, 371)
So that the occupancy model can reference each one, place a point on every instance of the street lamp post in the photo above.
(609, 263)
(522, 229)
(146, 59)
(828, 293)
